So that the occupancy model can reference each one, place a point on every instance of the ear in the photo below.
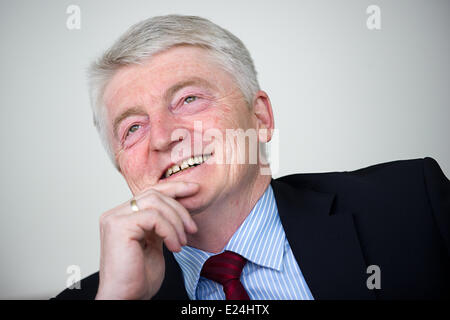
(262, 110)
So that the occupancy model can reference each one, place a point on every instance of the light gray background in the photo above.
(344, 97)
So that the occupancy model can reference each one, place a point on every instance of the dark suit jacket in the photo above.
(395, 215)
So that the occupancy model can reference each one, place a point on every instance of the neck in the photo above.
(217, 224)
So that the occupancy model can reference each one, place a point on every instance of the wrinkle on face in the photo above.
(146, 84)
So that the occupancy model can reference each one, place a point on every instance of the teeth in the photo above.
(186, 164)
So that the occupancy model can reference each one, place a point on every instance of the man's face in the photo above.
(182, 90)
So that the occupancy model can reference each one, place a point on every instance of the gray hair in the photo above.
(151, 36)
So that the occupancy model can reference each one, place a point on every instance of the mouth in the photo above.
(185, 164)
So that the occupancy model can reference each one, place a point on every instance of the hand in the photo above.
(131, 262)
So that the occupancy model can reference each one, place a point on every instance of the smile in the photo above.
(186, 164)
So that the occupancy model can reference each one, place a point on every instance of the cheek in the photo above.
(132, 163)
(233, 117)
(241, 141)
(221, 120)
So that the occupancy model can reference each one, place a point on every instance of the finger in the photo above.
(171, 215)
(173, 189)
(172, 210)
(152, 221)
(185, 216)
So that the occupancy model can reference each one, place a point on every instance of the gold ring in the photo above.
(134, 206)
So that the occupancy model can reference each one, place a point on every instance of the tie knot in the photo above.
(223, 267)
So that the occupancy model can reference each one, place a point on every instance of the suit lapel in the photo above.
(324, 243)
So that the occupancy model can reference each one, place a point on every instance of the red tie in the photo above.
(226, 268)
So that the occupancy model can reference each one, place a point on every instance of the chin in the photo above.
(192, 204)
(195, 203)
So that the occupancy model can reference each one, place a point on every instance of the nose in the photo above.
(164, 131)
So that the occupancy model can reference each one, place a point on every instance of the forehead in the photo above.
(135, 83)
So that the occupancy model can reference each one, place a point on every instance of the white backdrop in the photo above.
(344, 97)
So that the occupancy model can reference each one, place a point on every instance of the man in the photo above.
(208, 222)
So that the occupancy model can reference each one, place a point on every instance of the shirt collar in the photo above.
(260, 239)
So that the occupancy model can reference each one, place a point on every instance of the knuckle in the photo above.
(112, 223)
(150, 200)
(149, 192)
(150, 212)
(104, 217)
(152, 216)
(153, 197)
(163, 232)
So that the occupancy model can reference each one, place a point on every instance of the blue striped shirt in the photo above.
(271, 271)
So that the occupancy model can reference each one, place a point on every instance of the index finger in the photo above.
(174, 189)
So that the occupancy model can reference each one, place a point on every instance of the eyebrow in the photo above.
(138, 110)
(193, 81)
(133, 111)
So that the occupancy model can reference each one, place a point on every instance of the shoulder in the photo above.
(396, 175)
(394, 190)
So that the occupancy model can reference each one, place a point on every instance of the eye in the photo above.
(133, 129)
(190, 99)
